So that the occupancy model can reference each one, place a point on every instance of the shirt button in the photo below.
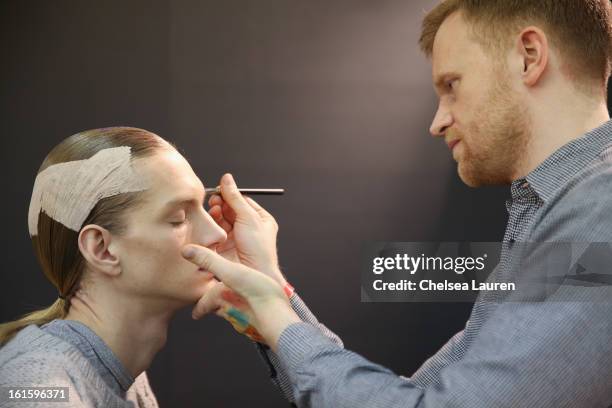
(525, 185)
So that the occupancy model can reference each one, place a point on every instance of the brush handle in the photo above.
(251, 191)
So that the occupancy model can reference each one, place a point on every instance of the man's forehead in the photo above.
(452, 46)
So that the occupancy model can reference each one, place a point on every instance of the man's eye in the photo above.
(177, 223)
(451, 84)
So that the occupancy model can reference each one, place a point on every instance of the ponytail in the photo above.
(57, 310)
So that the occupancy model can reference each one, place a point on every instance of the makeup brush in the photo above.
(250, 191)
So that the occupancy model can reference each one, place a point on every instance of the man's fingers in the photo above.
(210, 302)
(220, 208)
(227, 271)
(260, 210)
(215, 199)
(254, 203)
(225, 225)
(217, 214)
(233, 197)
(233, 298)
(228, 213)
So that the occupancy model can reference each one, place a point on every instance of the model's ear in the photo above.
(95, 243)
(532, 47)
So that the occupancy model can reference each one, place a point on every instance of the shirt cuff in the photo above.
(300, 341)
(300, 309)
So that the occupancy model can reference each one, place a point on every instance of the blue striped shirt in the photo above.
(543, 349)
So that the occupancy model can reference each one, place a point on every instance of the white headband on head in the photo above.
(67, 192)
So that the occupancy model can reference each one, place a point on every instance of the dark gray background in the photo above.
(329, 99)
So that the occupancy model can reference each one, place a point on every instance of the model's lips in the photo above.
(207, 275)
(202, 270)
(451, 145)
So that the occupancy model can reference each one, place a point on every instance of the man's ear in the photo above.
(95, 244)
(532, 46)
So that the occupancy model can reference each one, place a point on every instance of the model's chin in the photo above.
(203, 282)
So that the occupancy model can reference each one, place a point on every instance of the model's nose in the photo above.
(210, 234)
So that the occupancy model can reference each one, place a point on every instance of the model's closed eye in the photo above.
(179, 220)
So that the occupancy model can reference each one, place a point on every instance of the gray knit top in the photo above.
(66, 353)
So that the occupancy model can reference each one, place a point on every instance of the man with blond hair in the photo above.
(522, 101)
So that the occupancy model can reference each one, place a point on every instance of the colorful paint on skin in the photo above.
(240, 323)
(237, 317)
(252, 333)
(233, 298)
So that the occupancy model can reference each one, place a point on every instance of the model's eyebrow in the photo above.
(180, 202)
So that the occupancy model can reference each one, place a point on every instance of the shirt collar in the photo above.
(564, 163)
(94, 349)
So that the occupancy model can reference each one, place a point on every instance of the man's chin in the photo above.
(472, 183)
(468, 177)
(474, 179)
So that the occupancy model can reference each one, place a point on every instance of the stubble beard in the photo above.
(495, 145)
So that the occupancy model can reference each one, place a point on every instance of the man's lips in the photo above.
(452, 144)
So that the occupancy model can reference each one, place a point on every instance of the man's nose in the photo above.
(441, 122)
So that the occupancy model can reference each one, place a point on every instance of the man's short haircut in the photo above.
(581, 30)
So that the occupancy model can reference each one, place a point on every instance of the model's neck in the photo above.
(134, 331)
(553, 128)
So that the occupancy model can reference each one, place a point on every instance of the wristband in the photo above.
(288, 289)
